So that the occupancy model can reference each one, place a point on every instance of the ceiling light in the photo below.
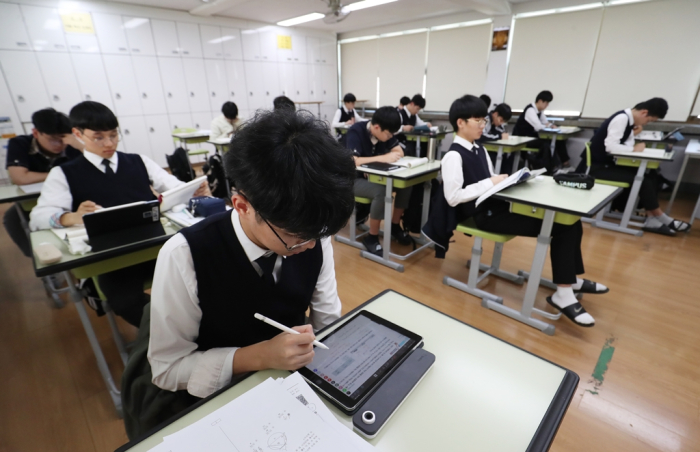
(461, 24)
(365, 4)
(300, 19)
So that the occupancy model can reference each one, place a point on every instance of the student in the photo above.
(271, 254)
(226, 123)
(103, 177)
(487, 100)
(29, 159)
(374, 141)
(467, 174)
(495, 129)
(405, 100)
(346, 115)
(617, 134)
(531, 121)
(409, 114)
(283, 102)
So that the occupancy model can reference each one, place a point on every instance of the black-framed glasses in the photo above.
(287, 247)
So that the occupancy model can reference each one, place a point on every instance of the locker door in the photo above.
(196, 80)
(271, 83)
(216, 80)
(250, 41)
(13, 35)
(139, 35)
(25, 82)
(301, 80)
(174, 86)
(158, 127)
(149, 83)
(110, 33)
(190, 42)
(45, 28)
(286, 80)
(134, 134)
(92, 79)
(212, 41)
(254, 83)
(122, 83)
(60, 80)
(165, 37)
(236, 81)
(232, 43)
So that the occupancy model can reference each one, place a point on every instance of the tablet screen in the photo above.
(361, 353)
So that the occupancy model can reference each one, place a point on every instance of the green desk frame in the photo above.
(513, 144)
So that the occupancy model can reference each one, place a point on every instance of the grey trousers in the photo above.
(367, 189)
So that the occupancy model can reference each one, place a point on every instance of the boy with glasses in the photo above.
(271, 254)
(103, 177)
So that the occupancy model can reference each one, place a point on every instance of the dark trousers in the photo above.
(648, 196)
(565, 248)
(545, 159)
(14, 228)
(124, 290)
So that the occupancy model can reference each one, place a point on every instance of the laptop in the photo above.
(122, 225)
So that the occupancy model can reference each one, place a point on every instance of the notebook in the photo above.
(516, 178)
(180, 195)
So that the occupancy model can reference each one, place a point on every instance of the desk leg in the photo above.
(418, 146)
(426, 203)
(634, 192)
(678, 183)
(386, 239)
(499, 160)
(533, 283)
(553, 144)
(94, 343)
(696, 212)
(516, 161)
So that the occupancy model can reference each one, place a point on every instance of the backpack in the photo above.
(216, 176)
(180, 166)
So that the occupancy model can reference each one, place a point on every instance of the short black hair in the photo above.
(51, 122)
(283, 102)
(418, 100)
(230, 110)
(656, 107)
(486, 99)
(294, 172)
(466, 107)
(546, 96)
(94, 116)
(387, 118)
(405, 100)
(349, 97)
(504, 111)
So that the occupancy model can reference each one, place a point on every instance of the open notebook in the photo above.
(516, 178)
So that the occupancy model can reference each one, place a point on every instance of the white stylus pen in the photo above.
(284, 328)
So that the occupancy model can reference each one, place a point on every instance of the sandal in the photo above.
(679, 226)
(663, 230)
(590, 287)
(571, 311)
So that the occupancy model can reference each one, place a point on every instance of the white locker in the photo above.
(202, 120)
(286, 55)
(299, 49)
(45, 28)
(139, 35)
(180, 121)
(254, 84)
(82, 43)
(250, 41)
(286, 80)
(196, 80)
(134, 134)
(302, 92)
(60, 80)
(13, 35)
(92, 79)
(329, 85)
(327, 51)
(212, 41)
(110, 33)
(232, 43)
(315, 84)
(165, 38)
(236, 81)
(313, 51)
(158, 127)
(150, 87)
(268, 46)
(216, 81)
(271, 83)
(24, 80)
(190, 42)
(174, 86)
(122, 83)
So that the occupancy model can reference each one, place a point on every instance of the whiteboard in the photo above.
(359, 71)
(457, 64)
(401, 67)
(646, 50)
(558, 60)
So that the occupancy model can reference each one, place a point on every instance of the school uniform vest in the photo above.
(346, 116)
(230, 291)
(407, 120)
(598, 154)
(129, 184)
(491, 131)
(522, 127)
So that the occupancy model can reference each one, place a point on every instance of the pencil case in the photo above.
(204, 206)
(575, 180)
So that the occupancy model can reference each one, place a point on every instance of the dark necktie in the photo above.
(267, 265)
(108, 169)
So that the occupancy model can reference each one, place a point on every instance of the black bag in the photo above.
(180, 165)
(216, 177)
(575, 180)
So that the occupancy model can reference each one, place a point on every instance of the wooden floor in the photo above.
(52, 397)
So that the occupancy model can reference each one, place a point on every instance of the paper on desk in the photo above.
(162, 447)
(75, 238)
(647, 152)
(264, 418)
(182, 219)
(31, 188)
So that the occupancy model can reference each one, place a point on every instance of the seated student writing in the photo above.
(226, 123)
(617, 134)
(103, 177)
(374, 141)
(405, 100)
(283, 102)
(271, 254)
(467, 174)
(495, 129)
(531, 121)
(409, 114)
(31, 157)
(345, 116)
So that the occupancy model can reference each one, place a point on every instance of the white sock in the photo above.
(563, 297)
(579, 282)
(653, 222)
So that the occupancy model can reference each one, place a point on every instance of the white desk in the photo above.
(482, 394)
(198, 136)
(512, 145)
(427, 136)
(221, 144)
(12, 193)
(692, 151)
(561, 133)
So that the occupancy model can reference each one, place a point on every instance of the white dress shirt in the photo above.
(221, 128)
(175, 316)
(616, 129)
(453, 177)
(336, 118)
(56, 198)
(535, 118)
(419, 122)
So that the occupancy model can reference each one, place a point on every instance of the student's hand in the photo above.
(73, 218)
(498, 178)
(407, 128)
(289, 351)
(428, 124)
(203, 190)
(350, 121)
(637, 129)
(505, 136)
(390, 157)
(639, 147)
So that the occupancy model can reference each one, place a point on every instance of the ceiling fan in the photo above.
(336, 13)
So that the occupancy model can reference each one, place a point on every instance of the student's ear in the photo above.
(461, 124)
(35, 133)
(241, 204)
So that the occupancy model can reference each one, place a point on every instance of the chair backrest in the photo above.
(180, 166)
(588, 157)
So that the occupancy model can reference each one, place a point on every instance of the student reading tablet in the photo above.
(271, 254)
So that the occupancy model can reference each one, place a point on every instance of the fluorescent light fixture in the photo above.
(461, 24)
(568, 9)
(401, 33)
(135, 22)
(362, 38)
(300, 19)
(622, 2)
(365, 4)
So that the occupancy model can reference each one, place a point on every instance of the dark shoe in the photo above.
(373, 246)
(663, 230)
(679, 226)
(590, 287)
(400, 235)
(572, 311)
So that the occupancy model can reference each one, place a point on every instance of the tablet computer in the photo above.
(361, 354)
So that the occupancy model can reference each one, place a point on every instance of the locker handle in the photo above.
(135, 50)
(213, 94)
(126, 132)
(22, 44)
(251, 93)
(59, 46)
(197, 126)
(20, 98)
(232, 93)
(118, 96)
(56, 98)
(170, 94)
(88, 97)
(75, 47)
(175, 52)
(122, 49)
(185, 52)
(312, 93)
(144, 95)
(191, 94)
(152, 130)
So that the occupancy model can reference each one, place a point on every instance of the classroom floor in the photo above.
(648, 399)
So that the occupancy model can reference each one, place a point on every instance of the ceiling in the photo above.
(272, 11)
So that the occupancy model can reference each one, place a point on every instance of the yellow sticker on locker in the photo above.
(78, 23)
(284, 42)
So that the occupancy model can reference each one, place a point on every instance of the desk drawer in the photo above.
(538, 212)
(626, 161)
